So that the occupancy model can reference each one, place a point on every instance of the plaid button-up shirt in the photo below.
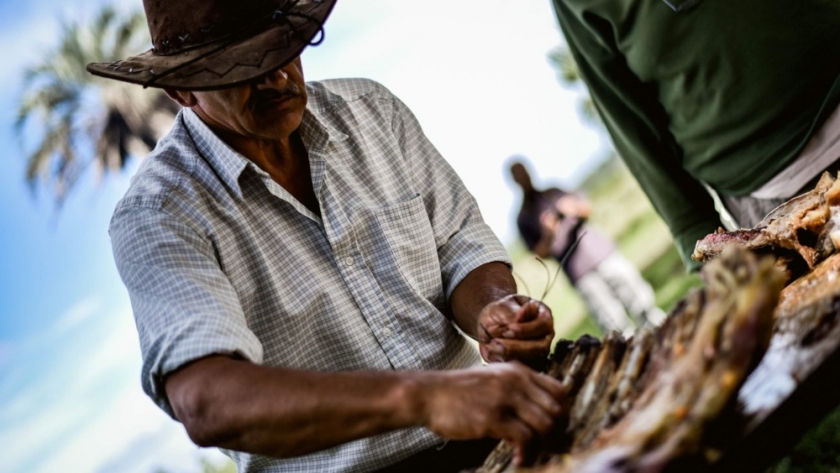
(220, 259)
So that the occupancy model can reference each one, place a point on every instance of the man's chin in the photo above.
(278, 126)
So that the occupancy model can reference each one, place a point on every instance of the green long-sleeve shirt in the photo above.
(726, 92)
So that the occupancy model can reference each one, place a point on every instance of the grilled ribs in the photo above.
(641, 404)
(800, 233)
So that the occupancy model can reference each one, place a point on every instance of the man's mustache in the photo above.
(261, 99)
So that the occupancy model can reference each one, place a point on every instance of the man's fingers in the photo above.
(518, 455)
(493, 352)
(485, 333)
(514, 309)
(512, 349)
(484, 350)
(532, 330)
(551, 387)
(537, 417)
(529, 311)
(515, 318)
(547, 393)
(516, 432)
(538, 406)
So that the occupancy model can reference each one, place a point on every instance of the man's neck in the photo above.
(286, 161)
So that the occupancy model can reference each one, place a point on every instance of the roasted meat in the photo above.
(800, 233)
(643, 403)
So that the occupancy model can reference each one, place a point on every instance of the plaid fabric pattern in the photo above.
(218, 258)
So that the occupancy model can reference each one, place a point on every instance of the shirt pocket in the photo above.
(409, 243)
(682, 5)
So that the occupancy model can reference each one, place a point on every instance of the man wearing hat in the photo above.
(300, 260)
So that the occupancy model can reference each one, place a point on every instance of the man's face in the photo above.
(270, 108)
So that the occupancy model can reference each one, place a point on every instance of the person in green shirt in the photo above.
(730, 98)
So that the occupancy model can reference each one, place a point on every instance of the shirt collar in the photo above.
(315, 133)
(229, 164)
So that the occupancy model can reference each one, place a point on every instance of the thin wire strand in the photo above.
(561, 263)
(522, 280)
(548, 279)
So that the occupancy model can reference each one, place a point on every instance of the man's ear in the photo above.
(184, 98)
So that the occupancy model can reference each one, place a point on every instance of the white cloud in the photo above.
(128, 434)
(67, 377)
(30, 37)
(78, 314)
(25, 441)
(166, 448)
(6, 350)
(84, 411)
(21, 358)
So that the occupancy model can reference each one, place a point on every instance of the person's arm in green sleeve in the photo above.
(637, 124)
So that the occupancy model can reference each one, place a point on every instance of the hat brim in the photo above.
(223, 65)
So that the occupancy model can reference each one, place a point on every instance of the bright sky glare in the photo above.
(474, 72)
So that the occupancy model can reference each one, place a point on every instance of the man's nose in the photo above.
(274, 80)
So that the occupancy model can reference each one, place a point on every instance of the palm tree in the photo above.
(79, 118)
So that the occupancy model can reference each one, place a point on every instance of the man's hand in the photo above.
(515, 328)
(572, 206)
(238, 405)
(548, 223)
(503, 400)
(507, 326)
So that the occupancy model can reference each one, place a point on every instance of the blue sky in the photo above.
(476, 75)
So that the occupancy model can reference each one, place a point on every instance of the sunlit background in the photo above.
(476, 74)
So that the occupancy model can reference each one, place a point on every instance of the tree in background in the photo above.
(568, 73)
(74, 118)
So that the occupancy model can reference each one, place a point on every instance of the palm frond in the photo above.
(62, 105)
(569, 73)
(562, 60)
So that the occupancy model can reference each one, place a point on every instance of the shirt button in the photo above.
(349, 261)
(386, 331)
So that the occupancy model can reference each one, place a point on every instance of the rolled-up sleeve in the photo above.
(463, 239)
(184, 306)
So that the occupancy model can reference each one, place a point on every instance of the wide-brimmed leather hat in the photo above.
(213, 44)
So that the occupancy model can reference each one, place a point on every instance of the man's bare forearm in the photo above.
(488, 283)
(280, 412)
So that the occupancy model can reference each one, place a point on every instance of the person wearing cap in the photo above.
(733, 103)
(553, 223)
(300, 260)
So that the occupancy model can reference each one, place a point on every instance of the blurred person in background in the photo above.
(298, 257)
(719, 108)
(552, 222)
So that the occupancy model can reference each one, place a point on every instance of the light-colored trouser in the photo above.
(618, 296)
